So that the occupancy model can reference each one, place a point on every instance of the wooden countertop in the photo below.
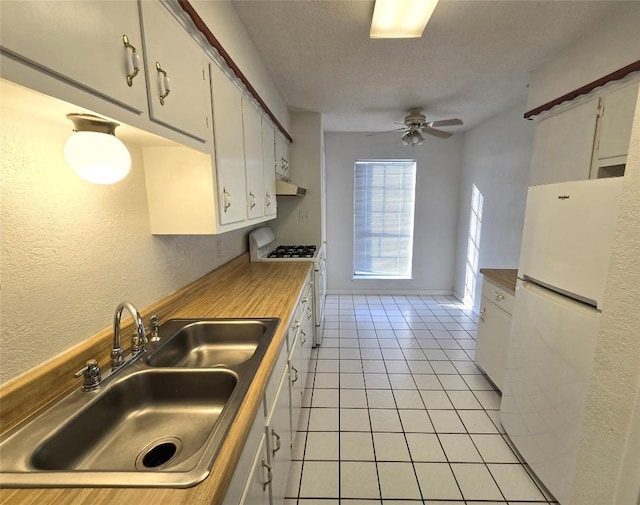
(504, 277)
(238, 289)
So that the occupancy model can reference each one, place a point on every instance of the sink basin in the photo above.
(149, 420)
(159, 420)
(211, 343)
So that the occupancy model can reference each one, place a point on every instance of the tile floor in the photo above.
(398, 413)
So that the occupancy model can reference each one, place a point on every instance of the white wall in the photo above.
(437, 189)
(613, 44)
(305, 162)
(496, 159)
(224, 23)
(72, 250)
(607, 470)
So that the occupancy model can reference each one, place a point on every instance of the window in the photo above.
(384, 195)
(473, 246)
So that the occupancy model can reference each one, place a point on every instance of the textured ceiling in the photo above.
(471, 62)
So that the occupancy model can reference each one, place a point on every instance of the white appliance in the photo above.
(264, 247)
(564, 262)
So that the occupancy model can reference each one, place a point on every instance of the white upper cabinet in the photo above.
(282, 157)
(176, 73)
(269, 166)
(229, 147)
(96, 46)
(563, 145)
(252, 130)
(615, 125)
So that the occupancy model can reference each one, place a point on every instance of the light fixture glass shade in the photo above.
(94, 152)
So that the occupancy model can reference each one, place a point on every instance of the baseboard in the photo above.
(392, 292)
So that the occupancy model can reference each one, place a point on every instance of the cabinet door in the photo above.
(82, 42)
(492, 341)
(176, 73)
(229, 147)
(279, 439)
(254, 170)
(296, 387)
(258, 487)
(615, 123)
(305, 343)
(269, 166)
(563, 145)
(282, 156)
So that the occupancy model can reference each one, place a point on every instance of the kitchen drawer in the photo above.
(498, 295)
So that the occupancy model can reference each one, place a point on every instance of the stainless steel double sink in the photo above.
(157, 421)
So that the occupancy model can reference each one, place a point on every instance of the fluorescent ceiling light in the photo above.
(400, 19)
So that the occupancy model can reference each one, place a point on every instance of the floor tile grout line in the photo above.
(451, 361)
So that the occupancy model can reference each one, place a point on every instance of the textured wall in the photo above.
(221, 18)
(436, 211)
(611, 44)
(72, 250)
(496, 159)
(608, 425)
(306, 171)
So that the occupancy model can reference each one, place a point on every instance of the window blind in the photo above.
(384, 202)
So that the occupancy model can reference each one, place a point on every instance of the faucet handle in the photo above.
(137, 343)
(92, 375)
(155, 337)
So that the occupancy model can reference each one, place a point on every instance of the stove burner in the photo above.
(293, 251)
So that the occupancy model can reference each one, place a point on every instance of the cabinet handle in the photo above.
(252, 197)
(482, 311)
(165, 83)
(269, 473)
(293, 369)
(268, 197)
(498, 296)
(227, 199)
(278, 444)
(303, 337)
(134, 61)
(309, 312)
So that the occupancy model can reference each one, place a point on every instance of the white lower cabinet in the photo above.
(262, 472)
(258, 487)
(279, 437)
(493, 331)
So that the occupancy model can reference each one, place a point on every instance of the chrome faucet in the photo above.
(117, 353)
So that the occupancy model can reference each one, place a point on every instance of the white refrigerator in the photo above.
(564, 261)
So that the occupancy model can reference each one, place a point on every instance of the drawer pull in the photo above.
(294, 371)
(278, 444)
(498, 296)
(484, 309)
(133, 62)
(165, 83)
(269, 473)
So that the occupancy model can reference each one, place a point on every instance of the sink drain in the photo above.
(158, 454)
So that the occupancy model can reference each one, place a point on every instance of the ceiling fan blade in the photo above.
(386, 131)
(436, 133)
(445, 122)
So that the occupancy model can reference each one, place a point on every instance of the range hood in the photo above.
(284, 188)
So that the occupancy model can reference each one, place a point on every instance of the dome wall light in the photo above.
(94, 152)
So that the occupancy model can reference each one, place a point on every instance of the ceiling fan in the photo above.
(415, 124)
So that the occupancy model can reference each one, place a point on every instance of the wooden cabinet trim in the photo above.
(587, 88)
(215, 43)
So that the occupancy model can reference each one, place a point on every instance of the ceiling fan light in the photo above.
(401, 18)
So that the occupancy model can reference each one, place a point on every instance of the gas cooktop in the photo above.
(293, 251)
